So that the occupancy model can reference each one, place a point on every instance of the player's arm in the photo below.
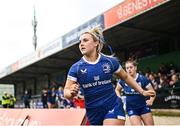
(71, 89)
(152, 98)
(131, 82)
(118, 90)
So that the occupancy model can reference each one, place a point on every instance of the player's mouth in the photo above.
(82, 48)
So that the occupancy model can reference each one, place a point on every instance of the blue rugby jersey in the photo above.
(134, 99)
(95, 78)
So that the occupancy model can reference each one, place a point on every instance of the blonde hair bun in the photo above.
(97, 33)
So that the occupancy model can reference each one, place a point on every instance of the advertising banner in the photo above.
(127, 10)
(15, 66)
(73, 36)
(168, 98)
(42, 117)
(10, 117)
(3, 73)
(6, 71)
(27, 60)
(50, 49)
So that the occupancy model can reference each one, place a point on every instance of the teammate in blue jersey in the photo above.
(137, 106)
(93, 73)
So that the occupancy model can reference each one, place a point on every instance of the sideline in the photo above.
(166, 112)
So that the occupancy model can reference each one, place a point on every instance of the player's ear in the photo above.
(96, 43)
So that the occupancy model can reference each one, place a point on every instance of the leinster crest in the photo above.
(106, 68)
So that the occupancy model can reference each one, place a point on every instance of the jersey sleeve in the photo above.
(120, 83)
(147, 82)
(116, 65)
(72, 74)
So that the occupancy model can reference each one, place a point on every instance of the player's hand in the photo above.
(149, 102)
(74, 89)
(150, 93)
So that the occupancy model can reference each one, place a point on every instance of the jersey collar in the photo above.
(137, 74)
(97, 60)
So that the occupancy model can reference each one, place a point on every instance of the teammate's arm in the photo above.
(152, 98)
(118, 90)
(131, 82)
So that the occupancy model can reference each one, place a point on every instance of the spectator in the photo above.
(60, 96)
(51, 99)
(12, 100)
(163, 83)
(153, 81)
(26, 99)
(174, 80)
(44, 96)
(172, 69)
(163, 69)
(5, 100)
(175, 84)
